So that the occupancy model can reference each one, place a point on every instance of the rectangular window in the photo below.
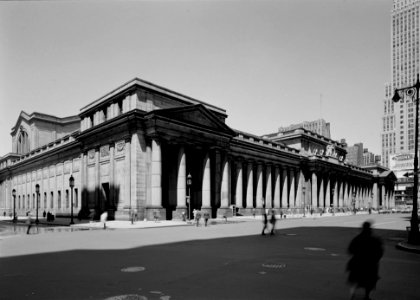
(52, 200)
(76, 198)
(59, 200)
(67, 199)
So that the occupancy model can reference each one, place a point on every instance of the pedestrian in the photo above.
(366, 251)
(273, 221)
(265, 221)
(206, 218)
(44, 214)
(198, 216)
(29, 222)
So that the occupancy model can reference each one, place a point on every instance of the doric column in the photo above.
(276, 195)
(321, 198)
(292, 202)
(250, 186)
(346, 194)
(314, 190)
(299, 197)
(224, 201)
(328, 193)
(156, 174)
(112, 189)
(127, 183)
(259, 197)
(181, 180)
(268, 193)
(206, 189)
(285, 189)
(335, 197)
(239, 186)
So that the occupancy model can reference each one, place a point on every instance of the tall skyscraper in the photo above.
(399, 118)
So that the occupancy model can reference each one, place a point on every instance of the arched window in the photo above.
(23, 142)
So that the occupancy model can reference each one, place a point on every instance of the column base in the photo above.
(180, 213)
(155, 213)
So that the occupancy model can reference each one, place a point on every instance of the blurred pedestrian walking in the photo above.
(366, 251)
(29, 222)
(265, 221)
(273, 221)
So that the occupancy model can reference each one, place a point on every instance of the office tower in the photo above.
(399, 118)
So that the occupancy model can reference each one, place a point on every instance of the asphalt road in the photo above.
(306, 259)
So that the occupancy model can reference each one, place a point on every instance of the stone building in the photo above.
(133, 149)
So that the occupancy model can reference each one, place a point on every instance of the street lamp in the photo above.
(354, 202)
(413, 93)
(304, 200)
(37, 197)
(71, 184)
(14, 205)
(189, 183)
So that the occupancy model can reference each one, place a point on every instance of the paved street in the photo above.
(305, 260)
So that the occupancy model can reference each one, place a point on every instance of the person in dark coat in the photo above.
(265, 221)
(273, 222)
(366, 251)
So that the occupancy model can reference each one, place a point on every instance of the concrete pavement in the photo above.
(304, 260)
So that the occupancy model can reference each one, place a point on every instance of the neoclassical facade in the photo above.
(132, 150)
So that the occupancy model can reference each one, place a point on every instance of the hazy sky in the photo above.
(268, 63)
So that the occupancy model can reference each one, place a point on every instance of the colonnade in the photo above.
(248, 185)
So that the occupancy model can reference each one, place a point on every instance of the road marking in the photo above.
(133, 269)
(314, 249)
(274, 266)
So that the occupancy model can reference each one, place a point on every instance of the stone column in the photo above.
(292, 203)
(250, 187)
(276, 195)
(268, 192)
(314, 190)
(127, 181)
(346, 194)
(181, 181)
(112, 194)
(259, 196)
(206, 188)
(224, 201)
(239, 187)
(328, 194)
(284, 195)
(321, 199)
(156, 175)
(300, 198)
(335, 197)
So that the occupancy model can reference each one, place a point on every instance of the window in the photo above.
(67, 199)
(76, 199)
(59, 200)
(52, 200)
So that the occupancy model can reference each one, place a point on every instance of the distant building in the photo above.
(369, 158)
(355, 154)
(318, 126)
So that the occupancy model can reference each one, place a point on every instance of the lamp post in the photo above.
(189, 183)
(37, 197)
(14, 205)
(71, 184)
(413, 93)
(354, 202)
(304, 200)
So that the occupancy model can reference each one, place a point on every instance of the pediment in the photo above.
(194, 115)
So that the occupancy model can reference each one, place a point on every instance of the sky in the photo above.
(267, 63)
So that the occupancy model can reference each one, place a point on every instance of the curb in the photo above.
(407, 247)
